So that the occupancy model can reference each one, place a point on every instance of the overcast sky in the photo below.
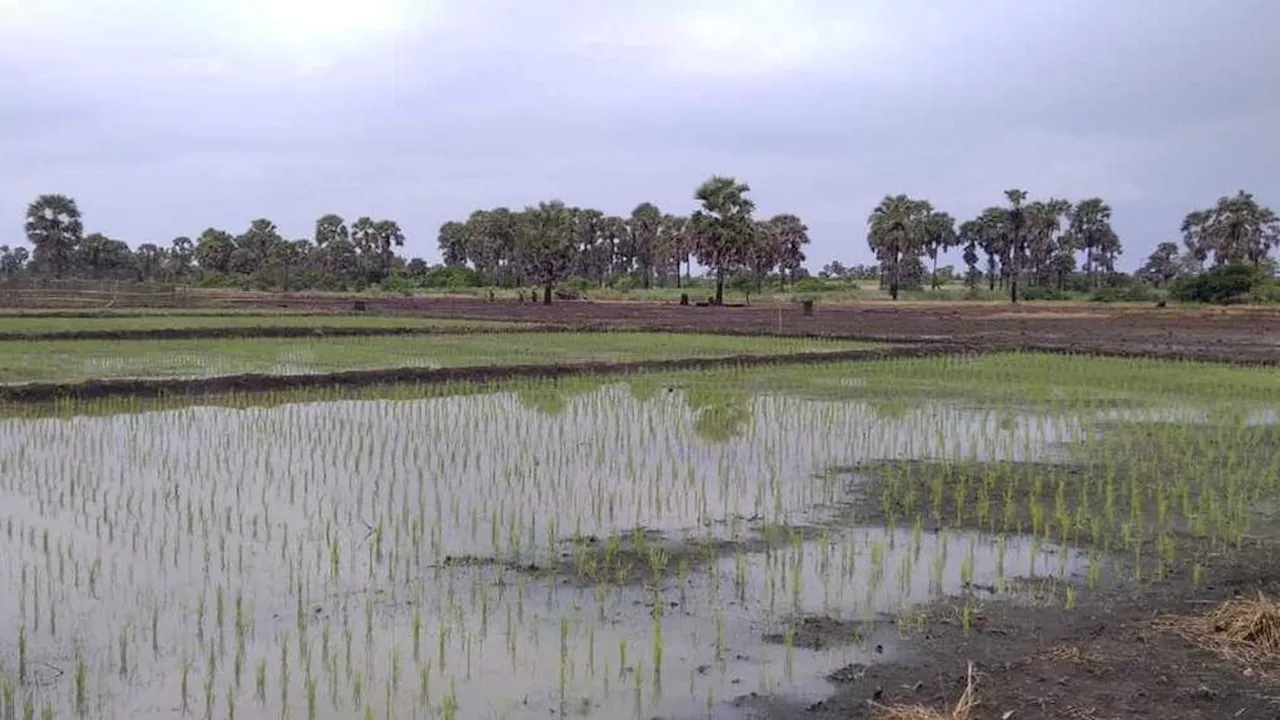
(163, 117)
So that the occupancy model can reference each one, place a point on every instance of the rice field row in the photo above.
(177, 321)
(78, 360)
(593, 547)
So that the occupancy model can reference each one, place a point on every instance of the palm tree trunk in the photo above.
(719, 286)
(546, 294)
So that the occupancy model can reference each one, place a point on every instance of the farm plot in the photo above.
(35, 325)
(79, 360)
(658, 546)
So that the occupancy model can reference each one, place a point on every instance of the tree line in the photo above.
(551, 242)
(1048, 243)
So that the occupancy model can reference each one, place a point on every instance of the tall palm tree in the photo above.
(54, 227)
(723, 226)
(330, 227)
(939, 236)
(1016, 242)
(643, 228)
(546, 244)
(792, 235)
(1236, 229)
(896, 234)
(1089, 225)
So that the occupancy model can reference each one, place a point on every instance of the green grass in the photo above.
(78, 360)
(24, 324)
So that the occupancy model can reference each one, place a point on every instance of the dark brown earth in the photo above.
(1233, 334)
(1103, 659)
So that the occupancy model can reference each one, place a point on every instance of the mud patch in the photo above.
(819, 632)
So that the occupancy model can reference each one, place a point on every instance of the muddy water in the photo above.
(357, 559)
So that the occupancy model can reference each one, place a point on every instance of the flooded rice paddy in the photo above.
(625, 548)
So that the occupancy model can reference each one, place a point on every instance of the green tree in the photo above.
(970, 236)
(1047, 246)
(723, 227)
(1235, 230)
(214, 250)
(452, 240)
(545, 244)
(54, 227)
(149, 260)
(791, 235)
(939, 236)
(329, 228)
(1089, 227)
(1162, 265)
(13, 261)
(181, 256)
(255, 247)
(643, 228)
(99, 256)
(896, 234)
(1015, 245)
(762, 255)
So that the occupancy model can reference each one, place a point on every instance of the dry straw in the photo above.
(962, 711)
(1243, 630)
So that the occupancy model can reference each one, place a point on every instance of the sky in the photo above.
(162, 118)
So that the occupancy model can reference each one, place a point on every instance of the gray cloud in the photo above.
(164, 118)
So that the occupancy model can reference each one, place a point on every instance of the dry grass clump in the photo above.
(962, 711)
(1244, 631)
(1068, 653)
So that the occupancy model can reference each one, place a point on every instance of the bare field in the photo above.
(1237, 334)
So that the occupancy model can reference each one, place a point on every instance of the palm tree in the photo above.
(54, 227)
(1162, 265)
(545, 244)
(452, 240)
(896, 234)
(1016, 234)
(722, 227)
(388, 236)
(792, 235)
(939, 236)
(643, 228)
(1237, 229)
(1045, 243)
(1089, 226)
(970, 236)
(329, 228)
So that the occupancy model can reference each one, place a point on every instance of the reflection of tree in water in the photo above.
(643, 388)
(889, 409)
(718, 415)
(552, 397)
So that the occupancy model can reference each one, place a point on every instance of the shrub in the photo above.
(1129, 292)
(1225, 285)
(1043, 292)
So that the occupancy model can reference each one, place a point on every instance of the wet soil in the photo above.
(818, 632)
(1230, 334)
(1100, 659)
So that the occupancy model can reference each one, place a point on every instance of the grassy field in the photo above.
(77, 360)
(154, 321)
